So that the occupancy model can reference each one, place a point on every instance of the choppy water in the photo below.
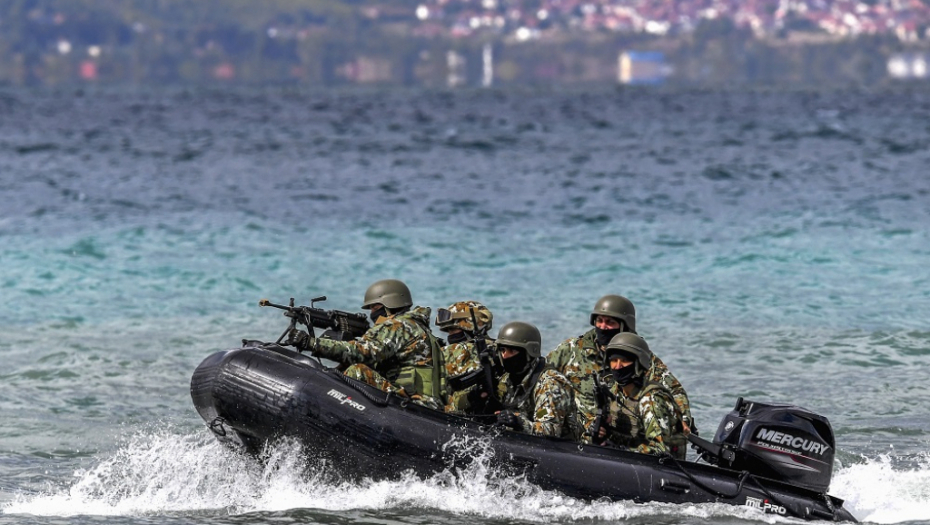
(775, 245)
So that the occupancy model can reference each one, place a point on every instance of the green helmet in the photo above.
(633, 346)
(618, 307)
(521, 335)
(392, 293)
(459, 315)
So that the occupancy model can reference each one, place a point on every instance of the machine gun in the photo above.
(338, 325)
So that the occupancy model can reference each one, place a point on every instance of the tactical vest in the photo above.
(425, 380)
(515, 398)
(629, 424)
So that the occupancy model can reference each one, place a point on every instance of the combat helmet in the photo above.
(393, 294)
(521, 335)
(618, 307)
(459, 315)
(632, 346)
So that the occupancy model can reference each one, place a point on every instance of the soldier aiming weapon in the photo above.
(338, 325)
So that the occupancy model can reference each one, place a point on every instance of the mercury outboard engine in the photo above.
(776, 441)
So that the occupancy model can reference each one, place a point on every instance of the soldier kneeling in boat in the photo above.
(537, 399)
(396, 354)
(641, 415)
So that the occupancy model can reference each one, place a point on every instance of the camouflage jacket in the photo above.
(648, 421)
(579, 359)
(547, 410)
(460, 358)
(395, 342)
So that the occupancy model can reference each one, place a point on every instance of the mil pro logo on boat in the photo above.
(345, 400)
(765, 506)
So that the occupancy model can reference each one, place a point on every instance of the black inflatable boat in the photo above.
(776, 458)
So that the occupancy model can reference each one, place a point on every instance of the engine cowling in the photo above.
(778, 441)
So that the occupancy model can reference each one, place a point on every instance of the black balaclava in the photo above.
(376, 313)
(625, 375)
(604, 336)
(516, 365)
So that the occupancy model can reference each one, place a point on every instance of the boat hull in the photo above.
(259, 393)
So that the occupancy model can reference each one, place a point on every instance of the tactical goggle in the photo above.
(444, 316)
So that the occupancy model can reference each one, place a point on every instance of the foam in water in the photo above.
(161, 472)
(877, 491)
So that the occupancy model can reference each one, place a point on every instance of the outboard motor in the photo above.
(776, 441)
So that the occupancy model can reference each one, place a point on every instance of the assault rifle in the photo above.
(482, 377)
(602, 394)
(339, 325)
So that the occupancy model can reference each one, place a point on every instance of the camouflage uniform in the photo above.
(548, 410)
(365, 374)
(648, 421)
(394, 343)
(461, 358)
(579, 360)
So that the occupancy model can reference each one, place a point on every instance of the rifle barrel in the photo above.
(266, 302)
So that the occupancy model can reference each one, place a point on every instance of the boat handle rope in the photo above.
(368, 395)
(739, 487)
(742, 478)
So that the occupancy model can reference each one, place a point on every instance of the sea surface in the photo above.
(776, 245)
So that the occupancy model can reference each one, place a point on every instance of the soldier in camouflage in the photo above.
(460, 355)
(397, 354)
(643, 415)
(537, 399)
(581, 358)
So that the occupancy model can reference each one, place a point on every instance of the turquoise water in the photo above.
(775, 245)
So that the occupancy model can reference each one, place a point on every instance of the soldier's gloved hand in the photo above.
(691, 428)
(477, 400)
(508, 418)
(301, 340)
